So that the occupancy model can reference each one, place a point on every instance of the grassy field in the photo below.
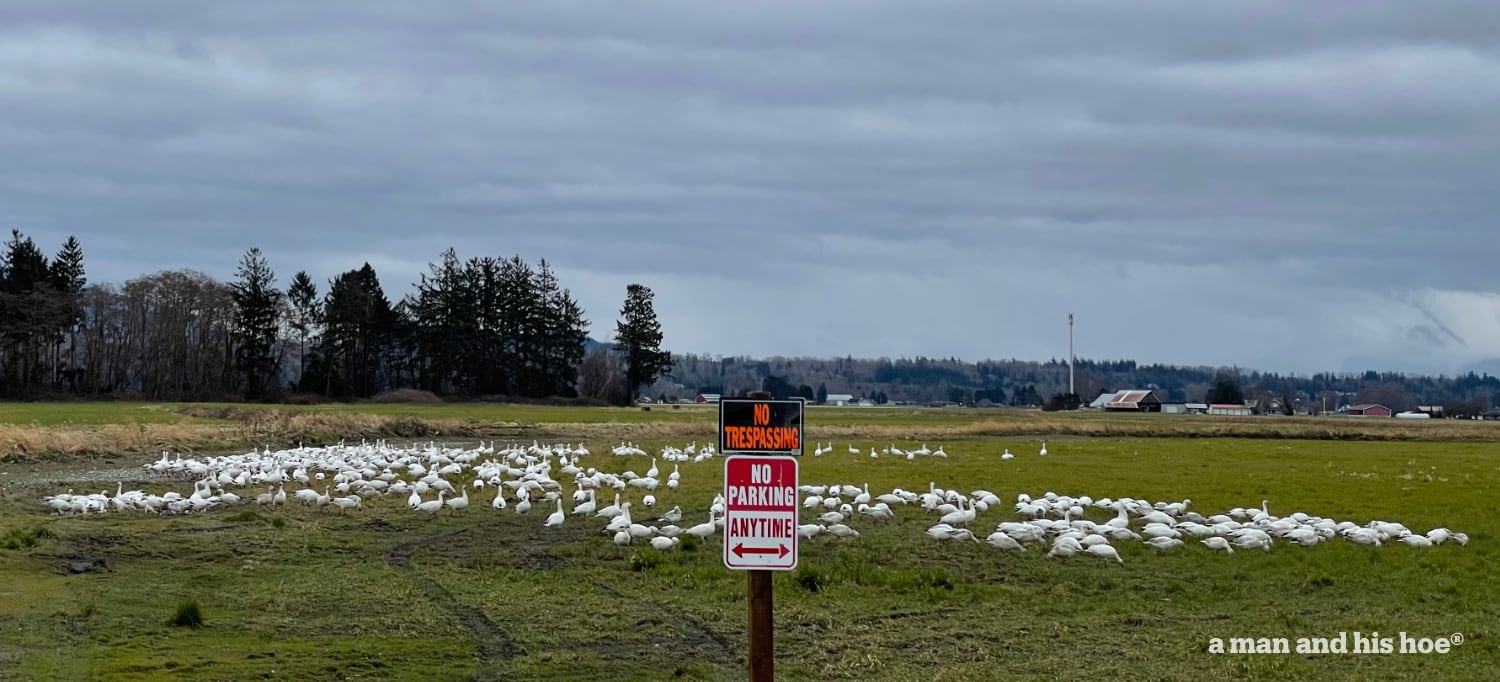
(31, 431)
(388, 593)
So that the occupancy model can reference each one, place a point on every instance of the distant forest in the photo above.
(500, 328)
(1045, 384)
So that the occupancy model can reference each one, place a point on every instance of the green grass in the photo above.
(386, 593)
(90, 414)
(189, 615)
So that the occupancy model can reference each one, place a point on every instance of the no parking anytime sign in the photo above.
(760, 513)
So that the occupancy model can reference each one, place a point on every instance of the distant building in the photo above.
(707, 398)
(1134, 401)
(1104, 398)
(1174, 408)
(1197, 408)
(1231, 409)
(1369, 410)
(839, 399)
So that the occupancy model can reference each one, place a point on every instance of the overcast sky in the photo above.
(1286, 186)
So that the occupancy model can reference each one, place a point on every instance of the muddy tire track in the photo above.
(495, 647)
(694, 631)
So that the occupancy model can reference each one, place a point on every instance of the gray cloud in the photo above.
(1290, 187)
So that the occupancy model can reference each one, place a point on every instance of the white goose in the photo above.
(557, 517)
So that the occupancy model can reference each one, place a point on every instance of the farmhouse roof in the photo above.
(1366, 406)
(1103, 399)
(1132, 398)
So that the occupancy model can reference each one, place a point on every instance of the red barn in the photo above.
(1369, 410)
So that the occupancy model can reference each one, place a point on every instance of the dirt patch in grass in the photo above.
(495, 646)
(693, 632)
(380, 525)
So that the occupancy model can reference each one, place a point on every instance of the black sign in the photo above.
(760, 427)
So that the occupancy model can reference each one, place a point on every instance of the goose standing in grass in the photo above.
(1164, 543)
(586, 508)
(1414, 540)
(458, 504)
(432, 506)
(1218, 544)
(347, 503)
(703, 530)
(1104, 551)
(556, 518)
(1004, 541)
(840, 530)
(610, 511)
(1064, 547)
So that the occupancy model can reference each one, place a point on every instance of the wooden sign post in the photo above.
(760, 506)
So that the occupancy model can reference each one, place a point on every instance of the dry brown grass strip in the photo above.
(25, 442)
(248, 428)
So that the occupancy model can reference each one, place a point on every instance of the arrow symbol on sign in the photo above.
(741, 550)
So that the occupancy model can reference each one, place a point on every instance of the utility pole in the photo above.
(1071, 390)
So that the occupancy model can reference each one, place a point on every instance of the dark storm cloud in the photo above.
(1288, 186)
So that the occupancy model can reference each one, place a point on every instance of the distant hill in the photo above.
(590, 344)
(1024, 382)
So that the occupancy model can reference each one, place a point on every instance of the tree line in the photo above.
(1024, 383)
(485, 326)
(473, 327)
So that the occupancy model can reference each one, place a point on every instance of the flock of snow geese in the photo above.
(342, 476)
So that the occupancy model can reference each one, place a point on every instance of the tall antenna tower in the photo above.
(1071, 389)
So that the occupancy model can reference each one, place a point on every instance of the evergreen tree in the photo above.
(67, 268)
(307, 312)
(257, 304)
(357, 328)
(564, 331)
(446, 324)
(68, 280)
(483, 354)
(806, 392)
(27, 311)
(521, 328)
(822, 395)
(638, 338)
(778, 387)
(1226, 390)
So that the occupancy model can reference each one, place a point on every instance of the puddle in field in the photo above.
(19, 477)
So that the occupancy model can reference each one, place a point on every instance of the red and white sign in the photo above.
(760, 513)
